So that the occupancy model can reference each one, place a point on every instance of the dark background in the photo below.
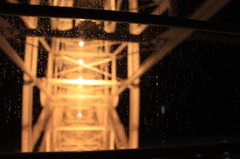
(191, 96)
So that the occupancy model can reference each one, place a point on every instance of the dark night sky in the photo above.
(193, 92)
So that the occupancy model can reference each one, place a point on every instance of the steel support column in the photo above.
(30, 59)
(133, 65)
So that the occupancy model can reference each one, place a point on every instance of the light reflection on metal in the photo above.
(84, 85)
(80, 85)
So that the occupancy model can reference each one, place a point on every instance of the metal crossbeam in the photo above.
(175, 36)
(82, 77)
(126, 17)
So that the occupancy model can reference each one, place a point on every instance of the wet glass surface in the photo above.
(191, 96)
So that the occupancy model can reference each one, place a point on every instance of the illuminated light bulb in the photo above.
(79, 115)
(81, 43)
(80, 78)
(80, 61)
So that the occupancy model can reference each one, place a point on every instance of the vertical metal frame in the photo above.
(117, 136)
(30, 61)
(134, 96)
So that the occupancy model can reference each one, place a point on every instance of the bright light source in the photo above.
(80, 78)
(81, 43)
(79, 115)
(80, 61)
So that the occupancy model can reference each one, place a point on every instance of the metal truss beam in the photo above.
(137, 29)
(121, 138)
(119, 49)
(13, 55)
(76, 128)
(45, 45)
(83, 54)
(81, 82)
(77, 13)
(74, 33)
(31, 22)
(30, 62)
(176, 35)
(87, 66)
(134, 95)
(42, 120)
(79, 96)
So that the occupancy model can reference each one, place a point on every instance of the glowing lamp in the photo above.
(79, 78)
(79, 115)
(80, 61)
(81, 43)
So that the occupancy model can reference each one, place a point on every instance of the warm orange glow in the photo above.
(79, 115)
(82, 81)
(79, 79)
(81, 43)
(81, 61)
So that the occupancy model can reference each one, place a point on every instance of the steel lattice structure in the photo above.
(80, 92)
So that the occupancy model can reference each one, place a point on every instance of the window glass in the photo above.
(87, 83)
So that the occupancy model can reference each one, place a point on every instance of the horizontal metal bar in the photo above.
(181, 151)
(83, 96)
(84, 54)
(78, 13)
(65, 104)
(76, 33)
(176, 36)
(78, 128)
(81, 82)
(85, 35)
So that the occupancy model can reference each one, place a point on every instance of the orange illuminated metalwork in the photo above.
(80, 92)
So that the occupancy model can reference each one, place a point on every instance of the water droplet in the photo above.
(163, 109)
